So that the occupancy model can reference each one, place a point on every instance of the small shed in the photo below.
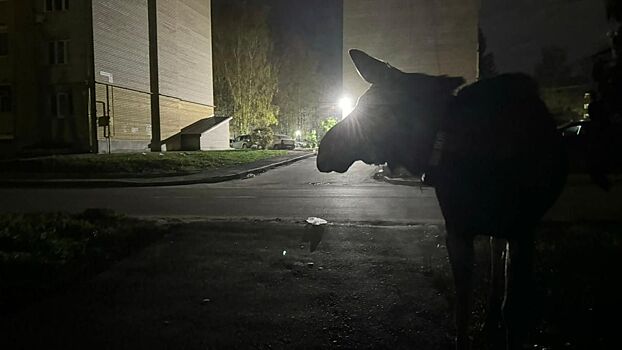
(202, 135)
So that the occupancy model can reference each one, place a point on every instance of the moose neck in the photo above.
(430, 143)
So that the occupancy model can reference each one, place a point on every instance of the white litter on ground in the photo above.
(316, 221)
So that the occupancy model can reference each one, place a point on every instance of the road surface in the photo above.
(292, 193)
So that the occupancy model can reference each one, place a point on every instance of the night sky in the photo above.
(516, 30)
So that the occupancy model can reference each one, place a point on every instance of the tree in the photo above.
(328, 123)
(245, 76)
(487, 66)
(299, 86)
(553, 69)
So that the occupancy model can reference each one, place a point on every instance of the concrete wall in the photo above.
(177, 114)
(432, 37)
(35, 81)
(130, 115)
(121, 42)
(216, 138)
(185, 50)
(7, 119)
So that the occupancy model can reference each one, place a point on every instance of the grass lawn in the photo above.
(134, 164)
(43, 253)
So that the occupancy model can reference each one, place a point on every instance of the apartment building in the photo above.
(79, 76)
(432, 37)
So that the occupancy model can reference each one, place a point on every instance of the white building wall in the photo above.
(216, 138)
(423, 36)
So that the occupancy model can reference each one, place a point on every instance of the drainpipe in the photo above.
(156, 145)
(94, 145)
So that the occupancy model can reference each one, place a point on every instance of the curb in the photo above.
(403, 182)
(156, 182)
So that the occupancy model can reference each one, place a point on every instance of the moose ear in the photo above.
(371, 69)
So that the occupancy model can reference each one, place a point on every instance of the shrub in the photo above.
(262, 137)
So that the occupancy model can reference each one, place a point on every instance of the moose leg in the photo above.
(492, 326)
(460, 250)
(516, 306)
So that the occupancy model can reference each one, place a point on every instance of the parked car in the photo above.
(302, 144)
(241, 142)
(281, 141)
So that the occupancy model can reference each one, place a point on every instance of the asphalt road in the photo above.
(293, 193)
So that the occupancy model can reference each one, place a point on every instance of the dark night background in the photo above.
(516, 30)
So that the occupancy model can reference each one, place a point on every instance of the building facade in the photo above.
(79, 77)
(422, 36)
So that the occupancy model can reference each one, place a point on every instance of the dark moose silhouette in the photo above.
(492, 152)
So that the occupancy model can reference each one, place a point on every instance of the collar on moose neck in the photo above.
(438, 146)
(435, 158)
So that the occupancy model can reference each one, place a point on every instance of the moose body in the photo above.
(492, 152)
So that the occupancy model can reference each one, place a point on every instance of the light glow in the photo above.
(346, 105)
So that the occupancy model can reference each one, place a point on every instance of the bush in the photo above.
(312, 139)
(262, 137)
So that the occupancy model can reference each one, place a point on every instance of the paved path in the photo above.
(294, 192)
(291, 192)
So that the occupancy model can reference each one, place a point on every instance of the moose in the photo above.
(491, 151)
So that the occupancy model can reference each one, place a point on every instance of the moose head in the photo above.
(394, 122)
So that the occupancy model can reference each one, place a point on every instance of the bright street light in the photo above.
(346, 105)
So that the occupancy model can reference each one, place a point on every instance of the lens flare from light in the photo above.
(346, 105)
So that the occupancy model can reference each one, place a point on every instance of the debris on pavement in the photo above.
(316, 221)
(313, 232)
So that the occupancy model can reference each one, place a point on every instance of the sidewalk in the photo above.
(208, 176)
(574, 179)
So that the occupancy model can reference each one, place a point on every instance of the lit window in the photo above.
(56, 5)
(57, 51)
(6, 104)
(61, 105)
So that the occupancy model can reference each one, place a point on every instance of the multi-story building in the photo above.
(432, 37)
(78, 75)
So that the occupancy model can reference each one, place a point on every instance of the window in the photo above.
(56, 5)
(61, 105)
(57, 51)
(4, 40)
(6, 103)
